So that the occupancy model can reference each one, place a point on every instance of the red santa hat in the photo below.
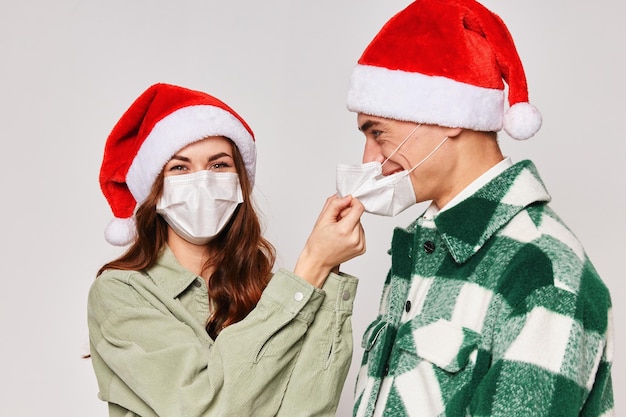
(443, 62)
(163, 120)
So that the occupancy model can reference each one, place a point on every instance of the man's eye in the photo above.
(376, 133)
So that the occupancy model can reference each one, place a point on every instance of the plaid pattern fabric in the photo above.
(491, 308)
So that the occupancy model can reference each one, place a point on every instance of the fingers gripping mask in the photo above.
(197, 206)
(383, 195)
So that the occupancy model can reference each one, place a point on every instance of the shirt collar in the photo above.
(470, 222)
(170, 275)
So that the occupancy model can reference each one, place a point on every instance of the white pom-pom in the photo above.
(522, 121)
(120, 232)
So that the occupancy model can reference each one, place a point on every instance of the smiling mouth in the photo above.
(386, 174)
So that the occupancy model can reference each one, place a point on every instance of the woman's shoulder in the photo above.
(115, 276)
(115, 286)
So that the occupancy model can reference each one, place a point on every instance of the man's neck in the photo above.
(476, 154)
(478, 183)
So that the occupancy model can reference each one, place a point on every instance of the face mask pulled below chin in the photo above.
(382, 195)
(197, 206)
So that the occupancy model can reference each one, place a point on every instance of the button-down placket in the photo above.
(424, 259)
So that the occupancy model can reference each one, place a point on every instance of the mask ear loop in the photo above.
(400, 145)
(427, 156)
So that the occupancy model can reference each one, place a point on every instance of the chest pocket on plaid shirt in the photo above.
(378, 342)
(440, 342)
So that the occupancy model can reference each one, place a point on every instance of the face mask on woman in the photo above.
(383, 195)
(197, 206)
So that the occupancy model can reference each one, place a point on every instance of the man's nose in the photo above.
(372, 152)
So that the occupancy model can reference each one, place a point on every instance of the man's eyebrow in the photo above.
(368, 125)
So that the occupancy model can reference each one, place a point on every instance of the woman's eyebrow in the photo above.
(181, 158)
(218, 156)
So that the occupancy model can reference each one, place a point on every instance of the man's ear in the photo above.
(453, 132)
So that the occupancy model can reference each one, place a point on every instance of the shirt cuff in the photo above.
(340, 291)
(294, 295)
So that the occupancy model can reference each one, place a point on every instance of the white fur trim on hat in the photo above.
(179, 129)
(120, 232)
(415, 97)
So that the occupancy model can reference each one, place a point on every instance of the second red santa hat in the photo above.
(444, 62)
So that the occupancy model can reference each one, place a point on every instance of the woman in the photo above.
(190, 321)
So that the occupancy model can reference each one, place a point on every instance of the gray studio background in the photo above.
(69, 68)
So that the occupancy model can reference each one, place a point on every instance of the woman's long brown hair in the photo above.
(242, 257)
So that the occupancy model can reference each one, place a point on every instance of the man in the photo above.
(491, 306)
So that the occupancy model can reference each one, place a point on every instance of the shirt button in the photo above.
(298, 296)
(429, 246)
(345, 296)
(407, 306)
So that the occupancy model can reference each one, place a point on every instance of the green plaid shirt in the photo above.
(490, 308)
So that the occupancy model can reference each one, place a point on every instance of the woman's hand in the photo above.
(337, 237)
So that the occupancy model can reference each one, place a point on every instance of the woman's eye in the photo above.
(178, 168)
(219, 165)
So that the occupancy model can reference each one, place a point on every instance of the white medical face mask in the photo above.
(383, 195)
(198, 205)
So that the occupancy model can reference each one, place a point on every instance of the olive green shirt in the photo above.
(153, 357)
